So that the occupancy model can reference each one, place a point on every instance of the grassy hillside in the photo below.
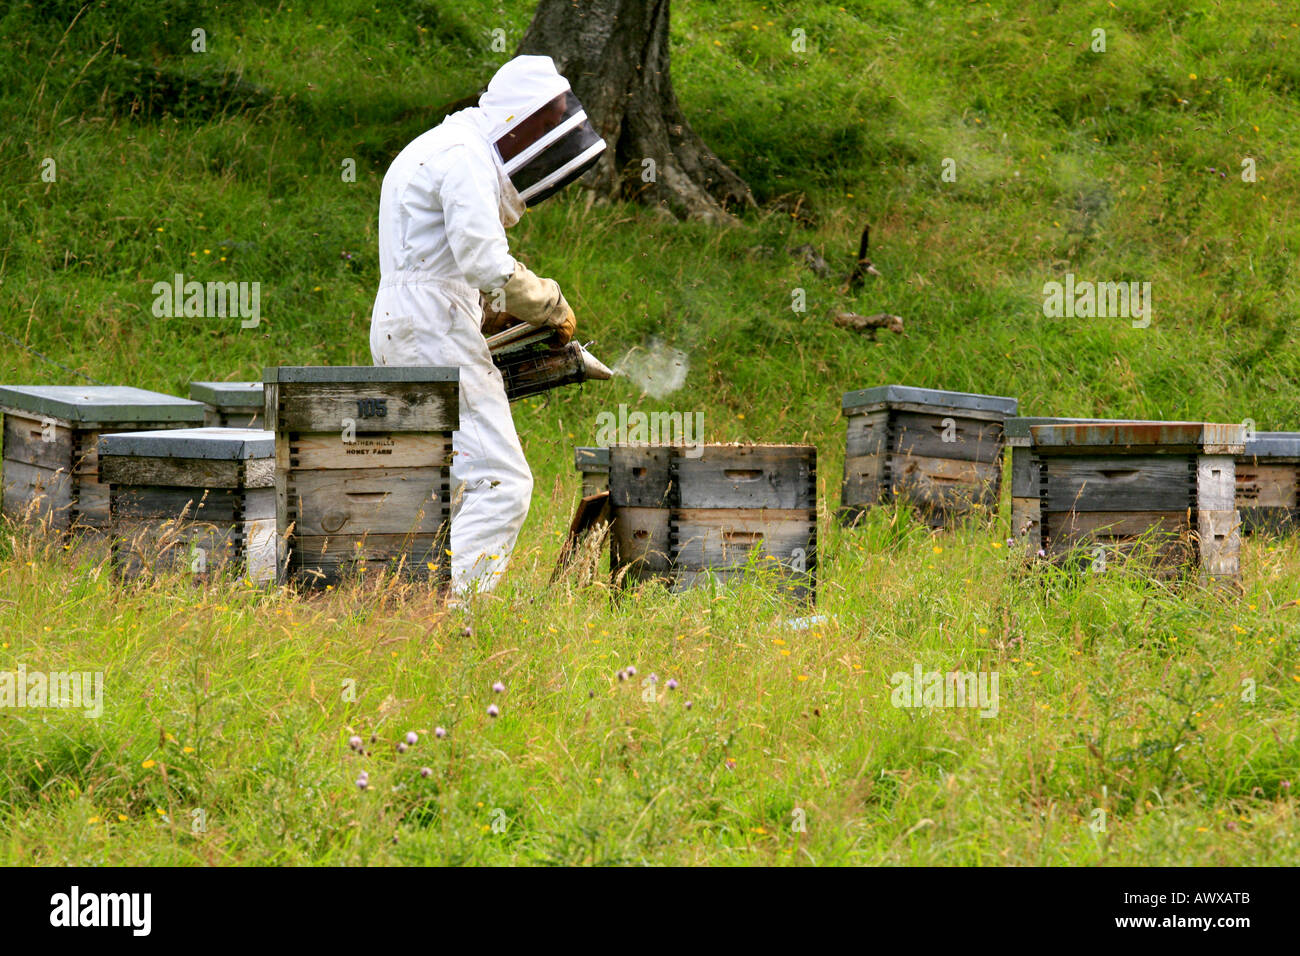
(1117, 694)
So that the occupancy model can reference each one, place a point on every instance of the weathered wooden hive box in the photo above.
(363, 469)
(1103, 487)
(1025, 516)
(940, 451)
(230, 404)
(1268, 474)
(682, 514)
(593, 465)
(51, 446)
(202, 498)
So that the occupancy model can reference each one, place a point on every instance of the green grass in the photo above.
(1116, 693)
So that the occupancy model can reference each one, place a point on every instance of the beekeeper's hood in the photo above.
(538, 128)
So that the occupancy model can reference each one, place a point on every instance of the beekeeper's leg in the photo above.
(492, 486)
(491, 483)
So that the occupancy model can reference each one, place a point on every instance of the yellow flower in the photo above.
(802, 677)
(188, 750)
(93, 820)
(121, 818)
(148, 764)
(778, 642)
(983, 630)
(938, 549)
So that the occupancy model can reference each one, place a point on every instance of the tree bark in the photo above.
(615, 54)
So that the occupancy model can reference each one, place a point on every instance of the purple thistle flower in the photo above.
(440, 732)
(354, 742)
(401, 747)
(363, 780)
(622, 676)
(672, 684)
(499, 688)
(426, 772)
(654, 678)
(1286, 784)
(492, 710)
(1042, 553)
(689, 705)
(631, 671)
(411, 737)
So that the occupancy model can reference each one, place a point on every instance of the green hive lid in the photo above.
(907, 394)
(1274, 445)
(227, 394)
(347, 374)
(591, 459)
(1132, 436)
(224, 444)
(100, 403)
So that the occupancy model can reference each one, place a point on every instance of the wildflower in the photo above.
(411, 737)
(498, 688)
(622, 676)
(401, 747)
(440, 732)
(689, 705)
(492, 710)
(426, 772)
(654, 678)
(631, 671)
(363, 780)
(672, 684)
(148, 765)
(354, 742)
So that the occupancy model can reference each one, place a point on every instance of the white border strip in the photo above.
(595, 150)
(519, 159)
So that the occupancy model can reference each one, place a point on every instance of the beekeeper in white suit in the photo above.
(447, 200)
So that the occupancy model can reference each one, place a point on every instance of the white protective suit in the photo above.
(442, 215)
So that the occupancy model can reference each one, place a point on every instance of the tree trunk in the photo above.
(615, 55)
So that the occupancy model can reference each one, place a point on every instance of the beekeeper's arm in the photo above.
(478, 243)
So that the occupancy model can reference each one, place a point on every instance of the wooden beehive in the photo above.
(230, 404)
(1025, 516)
(1268, 474)
(1103, 487)
(363, 469)
(202, 498)
(593, 465)
(939, 451)
(51, 439)
(682, 514)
